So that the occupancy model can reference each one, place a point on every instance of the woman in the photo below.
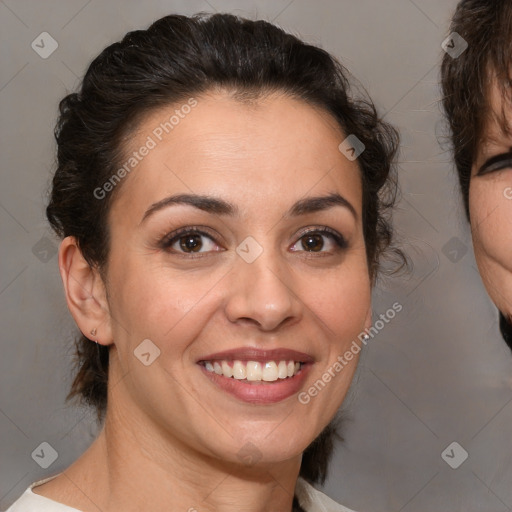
(219, 195)
(478, 103)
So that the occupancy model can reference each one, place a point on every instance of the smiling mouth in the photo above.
(254, 371)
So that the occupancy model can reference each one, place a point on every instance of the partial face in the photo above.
(249, 287)
(490, 203)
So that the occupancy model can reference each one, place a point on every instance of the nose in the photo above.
(262, 293)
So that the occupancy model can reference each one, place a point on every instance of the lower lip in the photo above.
(260, 392)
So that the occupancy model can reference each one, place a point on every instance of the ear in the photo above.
(85, 293)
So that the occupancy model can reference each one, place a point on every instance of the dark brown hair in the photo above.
(486, 26)
(466, 83)
(175, 58)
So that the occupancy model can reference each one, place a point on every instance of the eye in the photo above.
(496, 163)
(189, 241)
(314, 241)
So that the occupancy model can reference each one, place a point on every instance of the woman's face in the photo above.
(247, 285)
(490, 203)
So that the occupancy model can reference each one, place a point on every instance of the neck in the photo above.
(132, 466)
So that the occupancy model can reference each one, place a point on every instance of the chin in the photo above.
(255, 448)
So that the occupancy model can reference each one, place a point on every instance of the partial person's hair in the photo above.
(466, 81)
(176, 58)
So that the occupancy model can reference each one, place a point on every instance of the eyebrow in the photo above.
(494, 159)
(218, 206)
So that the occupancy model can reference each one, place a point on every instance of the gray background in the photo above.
(437, 373)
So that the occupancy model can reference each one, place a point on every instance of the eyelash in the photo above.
(500, 162)
(169, 240)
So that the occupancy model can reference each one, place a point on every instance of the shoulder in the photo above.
(310, 499)
(313, 500)
(29, 501)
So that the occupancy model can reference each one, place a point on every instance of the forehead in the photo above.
(220, 120)
(277, 146)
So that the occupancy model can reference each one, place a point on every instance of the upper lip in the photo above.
(256, 354)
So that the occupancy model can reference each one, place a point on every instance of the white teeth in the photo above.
(253, 370)
(226, 369)
(282, 371)
(239, 370)
(269, 371)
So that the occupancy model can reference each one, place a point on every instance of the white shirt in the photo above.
(310, 499)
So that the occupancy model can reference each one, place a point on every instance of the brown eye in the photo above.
(313, 243)
(191, 242)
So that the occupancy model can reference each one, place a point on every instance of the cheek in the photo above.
(491, 221)
(150, 301)
(491, 225)
(340, 301)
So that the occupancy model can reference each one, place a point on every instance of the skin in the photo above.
(490, 203)
(170, 435)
